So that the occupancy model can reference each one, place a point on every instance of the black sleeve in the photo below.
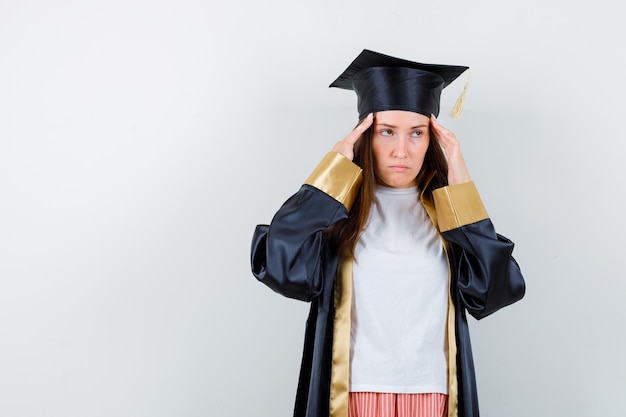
(286, 255)
(487, 277)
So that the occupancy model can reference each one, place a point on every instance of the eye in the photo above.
(386, 132)
(417, 134)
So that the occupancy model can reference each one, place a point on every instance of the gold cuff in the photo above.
(338, 177)
(458, 205)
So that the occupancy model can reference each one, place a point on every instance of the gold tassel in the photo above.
(458, 106)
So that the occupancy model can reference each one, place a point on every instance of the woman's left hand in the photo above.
(457, 170)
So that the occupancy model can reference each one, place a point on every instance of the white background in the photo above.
(142, 141)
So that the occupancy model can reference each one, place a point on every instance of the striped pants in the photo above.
(377, 404)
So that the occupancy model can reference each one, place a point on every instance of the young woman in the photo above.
(389, 241)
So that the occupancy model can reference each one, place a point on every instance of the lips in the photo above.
(399, 167)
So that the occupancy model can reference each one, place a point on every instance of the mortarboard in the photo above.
(382, 82)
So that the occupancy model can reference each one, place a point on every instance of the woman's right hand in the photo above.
(346, 145)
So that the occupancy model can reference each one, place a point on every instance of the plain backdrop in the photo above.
(142, 141)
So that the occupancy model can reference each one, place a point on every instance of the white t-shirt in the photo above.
(399, 300)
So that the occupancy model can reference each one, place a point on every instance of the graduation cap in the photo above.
(382, 82)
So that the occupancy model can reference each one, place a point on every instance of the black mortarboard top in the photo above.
(382, 82)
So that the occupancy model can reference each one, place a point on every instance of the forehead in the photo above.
(401, 118)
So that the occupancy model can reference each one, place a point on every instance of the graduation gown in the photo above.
(293, 258)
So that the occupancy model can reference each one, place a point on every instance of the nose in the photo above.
(400, 149)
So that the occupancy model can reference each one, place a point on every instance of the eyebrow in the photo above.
(394, 126)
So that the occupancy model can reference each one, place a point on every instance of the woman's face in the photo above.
(399, 143)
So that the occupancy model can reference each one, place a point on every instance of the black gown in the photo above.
(292, 257)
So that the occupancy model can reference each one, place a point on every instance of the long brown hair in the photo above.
(346, 233)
